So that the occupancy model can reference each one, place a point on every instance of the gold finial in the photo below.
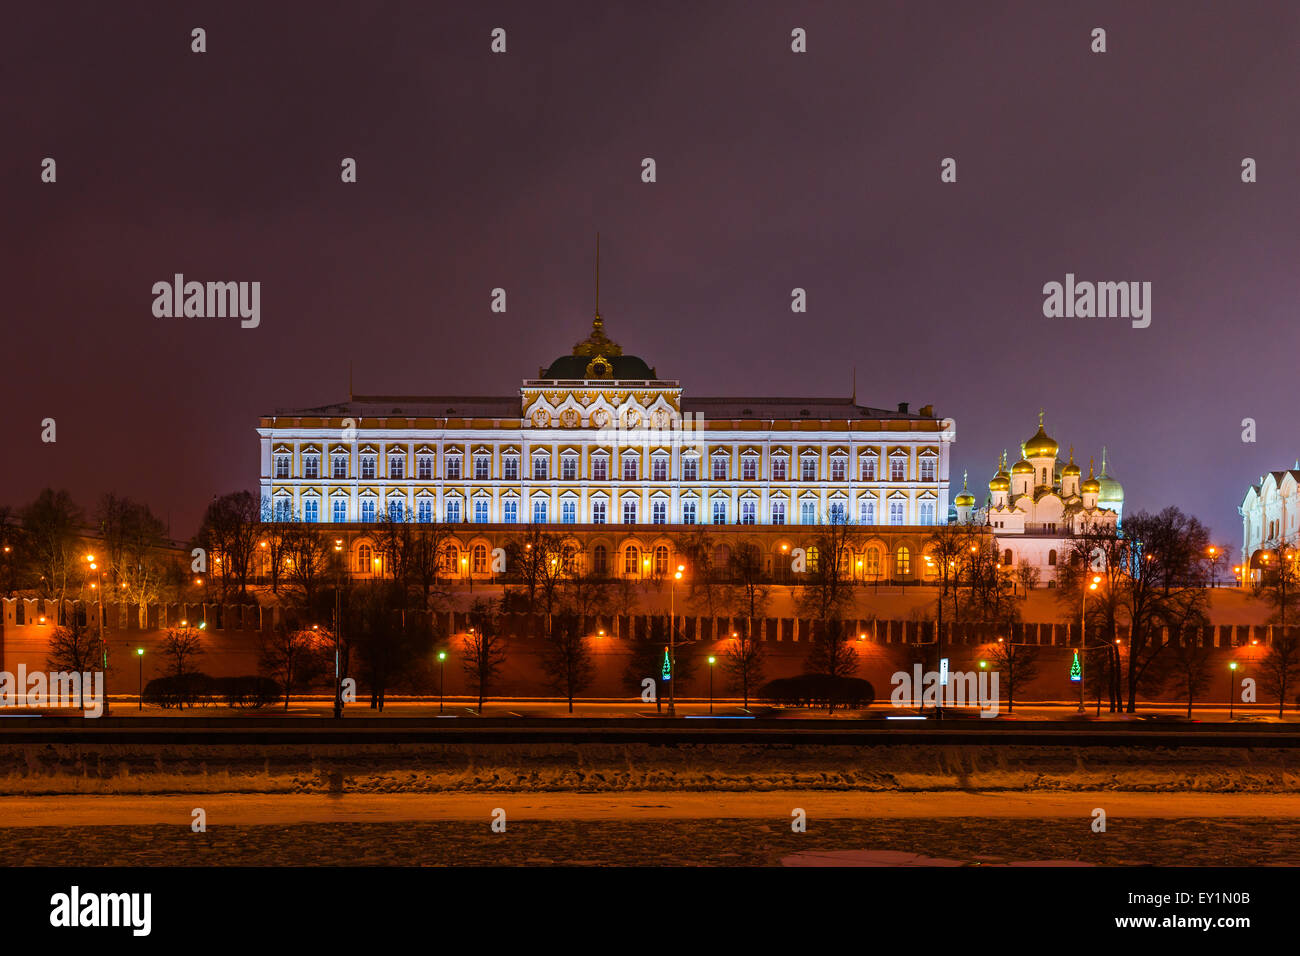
(1040, 417)
(963, 479)
(1072, 454)
(1091, 461)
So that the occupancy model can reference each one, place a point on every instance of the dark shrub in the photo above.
(818, 690)
(178, 691)
(247, 691)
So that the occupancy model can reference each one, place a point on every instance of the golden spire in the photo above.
(597, 343)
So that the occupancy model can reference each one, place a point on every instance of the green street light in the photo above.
(442, 656)
(1232, 688)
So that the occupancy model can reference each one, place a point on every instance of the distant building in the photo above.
(1034, 508)
(601, 448)
(1269, 519)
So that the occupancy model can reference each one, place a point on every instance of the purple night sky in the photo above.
(775, 170)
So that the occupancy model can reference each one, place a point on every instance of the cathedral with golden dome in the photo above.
(1034, 506)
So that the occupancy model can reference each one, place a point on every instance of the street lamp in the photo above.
(712, 660)
(103, 647)
(139, 654)
(1083, 636)
(1232, 687)
(442, 657)
(672, 642)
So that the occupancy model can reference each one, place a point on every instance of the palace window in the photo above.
(778, 469)
(1006, 557)
(598, 512)
(282, 510)
(482, 467)
(719, 511)
(837, 515)
(568, 468)
(927, 512)
(367, 509)
(599, 559)
(364, 556)
(719, 468)
(659, 511)
(661, 560)
(453, 468)
(453, 511)
(839, 469)
(778, 512)
(749, 469)
(396, 467)
(690, 469)
(339, 466)
(311, 511)
(311, 466)
(510, 512)
(395, 510)
(813, 557)
(451, 559)
(631, 560)
(541, 467)
(600, 468)
(568, 512)
(808, 469)
(897, 469)
(902, 562)
(510, 469)
(629, 468)
(478, 558)
(688, 512)
(481, 510)
(866, 512)
(424, 467)
(807, 512)
(424, 511)
(748, 511)
(539, 511)
(873, 562)
(368, 466)
(896, 512)
(1051, 557)
(629, 511)
(927, 469)
(340, 506)
(282, 466)
(867, 469)
(659, 468)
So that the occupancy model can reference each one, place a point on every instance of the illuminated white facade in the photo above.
(598, 439)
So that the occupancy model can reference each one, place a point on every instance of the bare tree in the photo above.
(1017, 665)
(1279, 584)
(743, 663)
(1280, 668)
(229, 534)
(290, 656)
(568, 663)
(485, 648)
(1190, 663)
(74, 648)
(50, 526)
(180, 647)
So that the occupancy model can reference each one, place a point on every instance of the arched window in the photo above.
(450, 559)
(630, 558)
(661, 560)
(1006, 557)
(1051, 557)
(599, 559)
(902, 562)
(364, 558)
(480, 558)
(814, 558)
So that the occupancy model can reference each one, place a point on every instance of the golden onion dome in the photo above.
(1070, 469)
(1040, 446)
(999, 484)
(1090, 484)
(1022, 467)
(965, 499)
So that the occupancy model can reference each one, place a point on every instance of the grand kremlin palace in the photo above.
(620, 460)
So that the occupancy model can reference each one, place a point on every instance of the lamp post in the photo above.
(442, 657)
(1083, 636)
(338, 624)
(103, 647)
(979, 703)
(712, 660)
(1232, 687)
(672, 642)
(139, 654)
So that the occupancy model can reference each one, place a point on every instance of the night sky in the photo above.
(775, 170)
